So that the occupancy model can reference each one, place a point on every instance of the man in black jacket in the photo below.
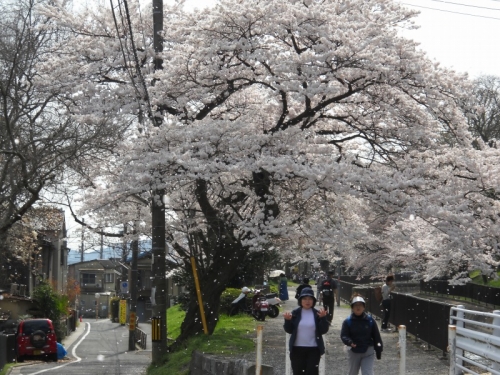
(305, 284)
(329, 294)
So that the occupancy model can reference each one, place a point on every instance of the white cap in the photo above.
(358, 299)
(245, 289)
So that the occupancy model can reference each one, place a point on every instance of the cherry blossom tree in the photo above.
(305, 126)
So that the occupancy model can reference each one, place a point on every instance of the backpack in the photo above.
(327, 288)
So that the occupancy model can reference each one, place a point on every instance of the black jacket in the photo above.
(300, 288)
(333, 287)
(358, 330)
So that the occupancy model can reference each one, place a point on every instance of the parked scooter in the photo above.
(240, 303)
(274, 304)
(260, 306)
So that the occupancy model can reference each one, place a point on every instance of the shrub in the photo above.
(51, 305)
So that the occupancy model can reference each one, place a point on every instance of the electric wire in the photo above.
(450, 11)
(464, 5)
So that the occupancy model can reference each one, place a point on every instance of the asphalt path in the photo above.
(95, 348)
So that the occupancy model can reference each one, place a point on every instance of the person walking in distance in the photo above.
(319, 281)
(305, 284)
(387, 288)
(306, 326)
(361, 335)
(329, 294)
(283, 288)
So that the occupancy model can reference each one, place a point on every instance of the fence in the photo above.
(473, 292)
(359, 280)
(141, 338)
(8, 349)
(479, 339)
(424, 319)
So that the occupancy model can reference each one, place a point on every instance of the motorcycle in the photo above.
(274, 304)
(260, 306)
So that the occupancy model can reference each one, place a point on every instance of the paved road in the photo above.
(96, 348)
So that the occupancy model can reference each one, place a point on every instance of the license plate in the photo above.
(37, 352)
(263, 309)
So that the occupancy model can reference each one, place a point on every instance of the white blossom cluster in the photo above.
(305, 126)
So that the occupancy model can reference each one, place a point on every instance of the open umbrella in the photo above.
(276, 273)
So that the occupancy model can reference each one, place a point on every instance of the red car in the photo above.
(36, 337)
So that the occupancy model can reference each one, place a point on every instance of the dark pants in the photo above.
(328, 304)
(386, 305)
(305, 360)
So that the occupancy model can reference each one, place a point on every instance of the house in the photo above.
(110, 278)
(45, 258)
(98, 280)
(51, 261)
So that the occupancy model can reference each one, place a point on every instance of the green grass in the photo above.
(478, 279)
(233, 335)
(494, 283)
(6, 368)
(474, 274)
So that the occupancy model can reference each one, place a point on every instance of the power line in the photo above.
(450, 11)
(464, 5)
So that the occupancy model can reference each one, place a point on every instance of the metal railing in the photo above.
(474, 342)
(141, 338)
(473, 292)
(425, 319)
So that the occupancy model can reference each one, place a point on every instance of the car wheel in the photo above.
(53, 357)
(38, 339)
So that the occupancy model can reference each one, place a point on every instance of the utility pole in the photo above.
(83, 229)
(159, 292)
(101, 253)
(133, 287)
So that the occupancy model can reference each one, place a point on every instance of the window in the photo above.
(88, 278)
(110, 277)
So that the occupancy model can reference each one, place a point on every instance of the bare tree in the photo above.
(484, 116)
(39, 137)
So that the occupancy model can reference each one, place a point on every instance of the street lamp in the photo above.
(97, 295)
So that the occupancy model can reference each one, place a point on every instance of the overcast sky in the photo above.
(464, 37)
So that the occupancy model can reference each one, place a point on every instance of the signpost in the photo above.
(124, 287)
(132, 320)
(122, 312)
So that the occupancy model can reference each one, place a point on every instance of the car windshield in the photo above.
(31, 326)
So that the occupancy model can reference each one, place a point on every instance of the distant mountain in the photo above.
(74, 256)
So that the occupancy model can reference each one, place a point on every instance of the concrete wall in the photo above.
(16, 306)
(204, 364)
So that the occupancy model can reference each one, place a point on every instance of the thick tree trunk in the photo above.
(212, 283)
(223, 253)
